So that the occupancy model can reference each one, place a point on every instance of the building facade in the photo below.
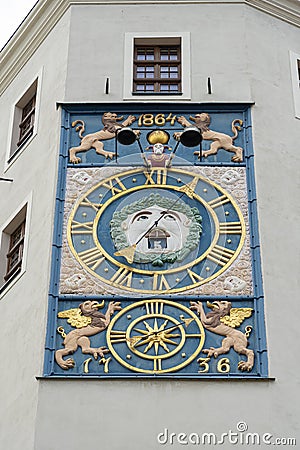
(149, 248)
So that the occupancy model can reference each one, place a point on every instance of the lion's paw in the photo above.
(109, 155)
(100, 352)
(75, 159)
(237, 159)
(68, 364)
(211, 352)
(245, 366)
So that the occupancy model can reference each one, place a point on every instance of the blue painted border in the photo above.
(54, 296)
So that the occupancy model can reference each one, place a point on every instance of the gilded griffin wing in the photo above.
(236, 316)
(75, 318)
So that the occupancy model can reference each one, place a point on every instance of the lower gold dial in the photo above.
(155, 336)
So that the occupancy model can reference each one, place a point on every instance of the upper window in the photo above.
(157, 68)
(27, 121)
(24, 120)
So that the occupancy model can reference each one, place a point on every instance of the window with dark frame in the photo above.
(24, 121)
(157, 69)
(298, 65)
(27, 121)
(15, 252)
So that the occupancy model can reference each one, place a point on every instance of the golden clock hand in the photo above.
(185, 322)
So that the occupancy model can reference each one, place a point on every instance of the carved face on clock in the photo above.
(158, 226)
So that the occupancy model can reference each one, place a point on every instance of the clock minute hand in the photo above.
(185, 322)
(134, 340)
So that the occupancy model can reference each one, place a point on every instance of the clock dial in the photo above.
(157, 232)
(155, 336)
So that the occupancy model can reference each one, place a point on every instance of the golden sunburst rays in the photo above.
(155, 336)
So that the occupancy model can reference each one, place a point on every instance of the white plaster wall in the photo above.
(276, 134)
(128, 415)
(23, 308)
(217, 48)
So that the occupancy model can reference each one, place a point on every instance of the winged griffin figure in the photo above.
(222, 320)
(88, 321)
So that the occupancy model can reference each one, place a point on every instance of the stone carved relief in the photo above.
(94, 140)
(88, 321)
(222, 320)
(219, 140)
(176, 234)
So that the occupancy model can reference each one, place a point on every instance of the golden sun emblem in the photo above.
(155, 336)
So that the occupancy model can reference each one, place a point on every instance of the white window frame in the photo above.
(185, 67)
(5, 232)
(12, 152)
(294, 58)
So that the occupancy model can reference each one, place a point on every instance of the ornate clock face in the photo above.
(156, 232)
(155, 336)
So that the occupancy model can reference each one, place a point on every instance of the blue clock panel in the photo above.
(156, 257)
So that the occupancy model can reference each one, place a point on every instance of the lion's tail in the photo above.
(80, 128)
(236, 126)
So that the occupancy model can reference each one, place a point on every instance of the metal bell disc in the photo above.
(191, 137)
(126, 136)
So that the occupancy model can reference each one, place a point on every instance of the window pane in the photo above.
(16, 236)
(145, 87)
(145, 54)
(169, 87)
(168, 54)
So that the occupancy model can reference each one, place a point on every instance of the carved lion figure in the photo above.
(94, 140)
(88, 322)
(222, 321)
(219, 140)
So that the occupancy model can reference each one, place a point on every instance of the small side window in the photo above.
(24, 120)
(12, 248)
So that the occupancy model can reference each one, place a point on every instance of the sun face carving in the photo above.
(163, 230)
